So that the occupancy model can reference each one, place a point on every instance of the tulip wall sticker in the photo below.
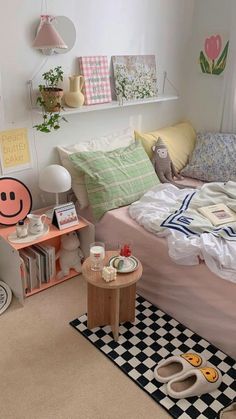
(214, 59)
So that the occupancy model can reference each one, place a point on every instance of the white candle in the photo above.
(97, 254)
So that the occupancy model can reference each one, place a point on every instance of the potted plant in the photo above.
(50, 100)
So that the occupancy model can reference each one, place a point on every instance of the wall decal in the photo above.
(214, 59)
(14, 150)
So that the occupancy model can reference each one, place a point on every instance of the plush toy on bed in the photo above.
(70, 254)
(163, 165)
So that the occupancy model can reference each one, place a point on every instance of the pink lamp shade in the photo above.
(47, 36)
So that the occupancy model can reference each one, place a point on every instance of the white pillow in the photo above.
(105, 143)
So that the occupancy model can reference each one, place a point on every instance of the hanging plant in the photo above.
(50, 100)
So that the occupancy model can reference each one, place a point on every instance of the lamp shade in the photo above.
(47, 36)
(54, 179)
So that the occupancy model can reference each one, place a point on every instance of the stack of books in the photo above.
(38, 266)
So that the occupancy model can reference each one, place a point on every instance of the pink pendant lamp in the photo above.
(47, 37)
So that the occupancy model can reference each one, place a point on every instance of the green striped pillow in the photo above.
(115, 178)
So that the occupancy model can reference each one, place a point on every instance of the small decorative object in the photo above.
(96, 79)
(97, 255)
(218, 214)
(75, 98)
(125, 251)
(124, 264)
(21, 229)
(55, 35)
(5, 296)
(65, 216)
(109, 273)
(36, 223)
(163, 165)
(47, 37)
(69, 255)
(14, 238)
(50, 100)
(15, 201)
(135, 76)
(213, 52)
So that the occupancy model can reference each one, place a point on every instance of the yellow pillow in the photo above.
(179, 139)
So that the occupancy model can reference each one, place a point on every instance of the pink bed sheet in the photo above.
(192, 295)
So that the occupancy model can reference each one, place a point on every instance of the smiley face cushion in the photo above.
(15, 201)
(177, 365)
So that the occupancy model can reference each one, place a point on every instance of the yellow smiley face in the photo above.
(210, 374)
(194, 359)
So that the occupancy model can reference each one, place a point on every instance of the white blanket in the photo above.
(168, 211)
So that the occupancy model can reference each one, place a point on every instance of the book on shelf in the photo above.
(42, 263)
(218, 214)
(96, 79)
(52, 260)
(23, 275)
(31, 270)
(45, 259)
(39, 272)
(49, 260)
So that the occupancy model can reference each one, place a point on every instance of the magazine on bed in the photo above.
(218, 214)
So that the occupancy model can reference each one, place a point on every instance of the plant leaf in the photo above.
(205, 66)
(221, 62)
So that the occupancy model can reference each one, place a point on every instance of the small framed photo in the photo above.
(65, 216)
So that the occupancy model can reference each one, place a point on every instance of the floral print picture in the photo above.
(213, 58)
(135, 76)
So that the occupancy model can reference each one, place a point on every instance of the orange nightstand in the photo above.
(10, 263)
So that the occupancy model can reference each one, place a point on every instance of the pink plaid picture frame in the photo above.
(96, 75)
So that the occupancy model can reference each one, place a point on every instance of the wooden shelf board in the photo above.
(114, 105)
(53, 232)
(53, 282)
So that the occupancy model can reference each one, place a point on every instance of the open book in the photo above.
(218, 214)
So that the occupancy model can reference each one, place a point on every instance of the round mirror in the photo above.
(66, 28)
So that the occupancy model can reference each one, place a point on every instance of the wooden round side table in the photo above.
(110, 302)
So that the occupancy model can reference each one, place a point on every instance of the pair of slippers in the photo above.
(187, 375)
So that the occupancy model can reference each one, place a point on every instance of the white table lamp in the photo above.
(55, 179)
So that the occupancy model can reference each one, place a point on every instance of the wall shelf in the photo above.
(115, 105)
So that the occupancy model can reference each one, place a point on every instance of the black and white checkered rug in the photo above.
(154, 336)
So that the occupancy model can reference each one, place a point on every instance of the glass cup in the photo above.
(97, 255)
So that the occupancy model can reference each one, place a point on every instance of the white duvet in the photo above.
(168, 211)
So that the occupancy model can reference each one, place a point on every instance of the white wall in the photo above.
(104, 27)
(204, 92)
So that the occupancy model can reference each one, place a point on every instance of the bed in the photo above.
(193, 295)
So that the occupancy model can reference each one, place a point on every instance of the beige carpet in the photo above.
(50, 371)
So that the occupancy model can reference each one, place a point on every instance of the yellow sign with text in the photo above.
(15, 151)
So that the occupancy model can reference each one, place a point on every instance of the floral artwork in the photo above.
(135, 76)
(214, 59)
